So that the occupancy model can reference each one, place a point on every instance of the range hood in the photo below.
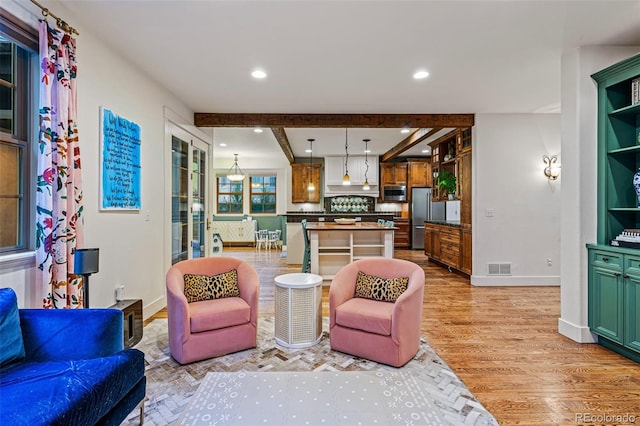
(334, 170)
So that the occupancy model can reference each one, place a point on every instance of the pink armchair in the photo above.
(384, 332)
(210, 328)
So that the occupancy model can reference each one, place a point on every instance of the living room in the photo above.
(534, 219)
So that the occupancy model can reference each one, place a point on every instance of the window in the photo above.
(263, 194)
(17, 114)
(229, 195)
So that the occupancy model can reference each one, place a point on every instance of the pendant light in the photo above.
(311, 187)
(235, 172)
(346, 180)
(366, 186)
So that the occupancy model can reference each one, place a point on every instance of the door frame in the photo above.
(175, 125)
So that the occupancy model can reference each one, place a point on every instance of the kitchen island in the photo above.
(295, 240)
(335, 245)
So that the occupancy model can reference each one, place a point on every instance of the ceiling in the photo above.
(353, 57)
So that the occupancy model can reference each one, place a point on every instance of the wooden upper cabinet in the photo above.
(300, 174)
(464, 187)
(420, 173)
(465, 140)
(393, 173)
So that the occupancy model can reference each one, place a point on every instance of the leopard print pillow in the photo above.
(383, 289)
(205, 287)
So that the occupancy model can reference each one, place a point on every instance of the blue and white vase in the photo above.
(636, 186)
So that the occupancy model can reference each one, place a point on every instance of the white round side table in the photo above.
(298, 305)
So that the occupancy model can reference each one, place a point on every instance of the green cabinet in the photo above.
(614, 298)
(618, 149)
(614, 272)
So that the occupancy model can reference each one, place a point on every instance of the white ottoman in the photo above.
(298, 304)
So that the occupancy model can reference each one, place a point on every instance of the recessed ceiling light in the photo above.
(367, 151)
(405, 130)
(257, 130)
(258, 74)
(223, 144)
(420, 74)
(426, 151)
(307, 150)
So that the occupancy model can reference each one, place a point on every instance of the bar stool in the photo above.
(306, 262)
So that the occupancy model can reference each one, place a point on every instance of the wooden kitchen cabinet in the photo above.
(447, 245)
(465, 247)
(420, 173)
(464, 187)
(401, 235)
(432, 241)
(300, 175)
(393, 173)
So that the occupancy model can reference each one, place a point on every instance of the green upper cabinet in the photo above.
(618, 149)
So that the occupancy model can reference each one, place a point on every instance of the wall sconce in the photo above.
(552, 167)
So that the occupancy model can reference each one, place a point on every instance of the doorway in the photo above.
(190, 205)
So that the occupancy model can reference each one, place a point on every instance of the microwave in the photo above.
(394, 193)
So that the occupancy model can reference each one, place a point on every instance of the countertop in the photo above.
(452, 223)
(358, 226)
(339, 214)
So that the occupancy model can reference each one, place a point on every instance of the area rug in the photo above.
(171, 387)
(343, 398)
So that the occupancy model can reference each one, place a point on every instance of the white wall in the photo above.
(132, 250)
(579, 152)
(508, 179)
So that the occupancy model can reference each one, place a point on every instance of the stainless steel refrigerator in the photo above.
(423, 209)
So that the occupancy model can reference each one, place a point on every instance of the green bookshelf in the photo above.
(614, 272)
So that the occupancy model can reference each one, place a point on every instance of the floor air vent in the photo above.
(498, 269)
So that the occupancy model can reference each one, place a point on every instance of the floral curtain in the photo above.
(59, 183)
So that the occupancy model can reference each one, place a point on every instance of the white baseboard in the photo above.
(154, 307)
(514, 281)
(577, 333)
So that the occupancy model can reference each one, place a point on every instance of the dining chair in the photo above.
(262, 239)
(274, 239)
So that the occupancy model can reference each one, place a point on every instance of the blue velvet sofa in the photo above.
(66, 367)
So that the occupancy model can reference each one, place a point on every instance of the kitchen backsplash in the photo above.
(349, 204)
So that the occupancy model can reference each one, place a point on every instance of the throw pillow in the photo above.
(205, 287)
(195, 287)
(11, 344)
(383, 289)
(224, 285)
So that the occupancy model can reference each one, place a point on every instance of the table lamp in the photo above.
(85, 264)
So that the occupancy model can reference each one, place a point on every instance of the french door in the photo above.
(189, 197)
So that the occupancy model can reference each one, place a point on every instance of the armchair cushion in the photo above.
(11, 344)
(204, 287)
(376, 288)
(366, 315)
(217, 314)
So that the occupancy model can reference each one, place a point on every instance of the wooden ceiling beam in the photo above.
(203, 119)
(410, 141)
(283, 141)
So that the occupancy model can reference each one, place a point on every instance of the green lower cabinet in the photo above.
(605, 297)
(632, 316)
(614, 298)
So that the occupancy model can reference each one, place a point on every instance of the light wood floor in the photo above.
(504, 345)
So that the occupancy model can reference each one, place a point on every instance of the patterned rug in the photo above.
(171, 386)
